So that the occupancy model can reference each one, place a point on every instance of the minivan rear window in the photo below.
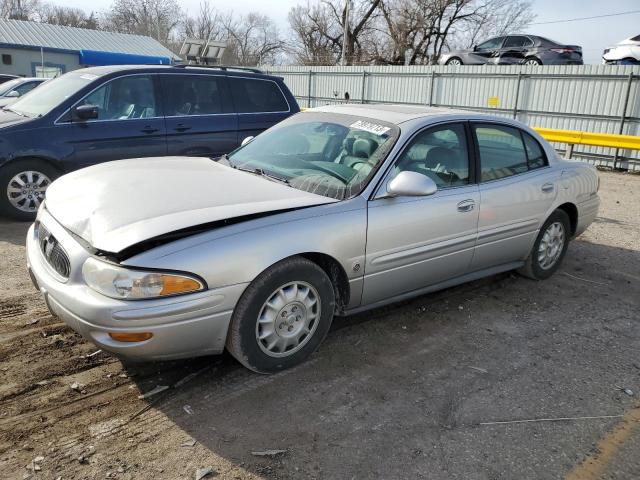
(252, 95)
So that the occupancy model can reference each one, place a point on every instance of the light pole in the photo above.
(345, 33)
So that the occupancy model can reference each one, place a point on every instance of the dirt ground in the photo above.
(503, 378)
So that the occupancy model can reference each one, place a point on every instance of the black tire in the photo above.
(532, 60)
(10, 171)
(448, 62)
(532, 267)
(242, 340)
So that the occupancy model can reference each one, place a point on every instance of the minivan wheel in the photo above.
(282, 316)
(549, 248)
(22, 187)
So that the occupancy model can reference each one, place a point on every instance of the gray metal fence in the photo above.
(593, 98)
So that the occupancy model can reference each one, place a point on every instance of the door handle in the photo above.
(149, 129)
(181, 127)
(547, 187)
(466, 205)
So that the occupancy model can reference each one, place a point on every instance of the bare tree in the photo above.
(322, 31)
(20, 9)
(252, 39)
(209, 23)
(67, 16)
(159, 19)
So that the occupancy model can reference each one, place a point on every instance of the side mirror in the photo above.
(411, 184)
(13, 94)
(246, 140)
(475, 48)
(84, 112)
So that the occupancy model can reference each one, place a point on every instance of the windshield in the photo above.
(327, 154)
(6, 87)
(50, 94)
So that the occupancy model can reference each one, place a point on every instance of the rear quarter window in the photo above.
(256, 95)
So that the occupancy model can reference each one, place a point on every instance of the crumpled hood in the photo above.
(118, 204)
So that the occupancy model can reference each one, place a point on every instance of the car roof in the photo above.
(395, 114)
(219, 70)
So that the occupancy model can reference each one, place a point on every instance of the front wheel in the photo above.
(282, 317)
(549, 248)
(454, 61)
(22, 187)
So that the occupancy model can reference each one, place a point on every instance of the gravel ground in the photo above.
(414, 390)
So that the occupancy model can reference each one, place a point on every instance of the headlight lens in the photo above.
(118, 282)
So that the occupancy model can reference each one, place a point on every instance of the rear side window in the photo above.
(517, 41)
(124, 98)
(535, 154)
(193, 95)
(506, 151)
(255, 95)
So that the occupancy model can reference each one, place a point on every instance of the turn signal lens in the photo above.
(131, 337)
(118, 282)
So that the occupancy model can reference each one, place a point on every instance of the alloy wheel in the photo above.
(26, 190)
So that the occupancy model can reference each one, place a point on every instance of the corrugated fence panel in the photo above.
(572, 97)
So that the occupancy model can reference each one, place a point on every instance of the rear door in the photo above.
(517, 190)
(129, 124)
(199, 115)
(260, 104)
(514, 49)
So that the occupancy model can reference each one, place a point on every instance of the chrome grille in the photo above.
(53, 252)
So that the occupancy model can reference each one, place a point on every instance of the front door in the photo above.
(517, 189)
(199, 115)
(414, 242)
(129, 123)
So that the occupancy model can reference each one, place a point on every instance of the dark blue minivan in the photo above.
(98, 114)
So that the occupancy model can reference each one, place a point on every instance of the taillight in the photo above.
(562, 50)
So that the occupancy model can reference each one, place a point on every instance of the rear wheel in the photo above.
(532, 61)
(22, 187)
(282, 317)
(549, 248)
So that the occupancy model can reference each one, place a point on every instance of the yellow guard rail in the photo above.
(573, 137)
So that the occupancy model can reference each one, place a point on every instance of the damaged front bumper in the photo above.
(181, 326)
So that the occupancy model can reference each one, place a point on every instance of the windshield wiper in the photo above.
(259, 171)
(7, 109)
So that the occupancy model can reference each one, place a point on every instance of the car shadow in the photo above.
(405, 391)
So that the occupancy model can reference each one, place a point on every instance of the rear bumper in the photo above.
(182, 326)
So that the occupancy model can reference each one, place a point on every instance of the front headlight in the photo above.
(118, 282)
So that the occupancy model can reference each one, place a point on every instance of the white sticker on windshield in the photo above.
(370, 127)
(88, 76)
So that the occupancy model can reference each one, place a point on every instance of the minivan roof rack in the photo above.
(221, 67)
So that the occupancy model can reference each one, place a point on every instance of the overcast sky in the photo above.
(593, 35)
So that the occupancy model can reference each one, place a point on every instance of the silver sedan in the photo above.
(335, 210)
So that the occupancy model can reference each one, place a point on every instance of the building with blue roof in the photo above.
(35, 49)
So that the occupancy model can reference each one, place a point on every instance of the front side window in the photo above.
(328, 154)
(6, 87)
(506, 151)
(257, 96)
(439, 153)
(124, 98)
(26, 87)
(193, 95)
(491, 44)
(52, 93)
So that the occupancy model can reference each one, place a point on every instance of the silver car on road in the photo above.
(333, 211)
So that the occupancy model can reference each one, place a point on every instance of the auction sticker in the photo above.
(370, 127)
